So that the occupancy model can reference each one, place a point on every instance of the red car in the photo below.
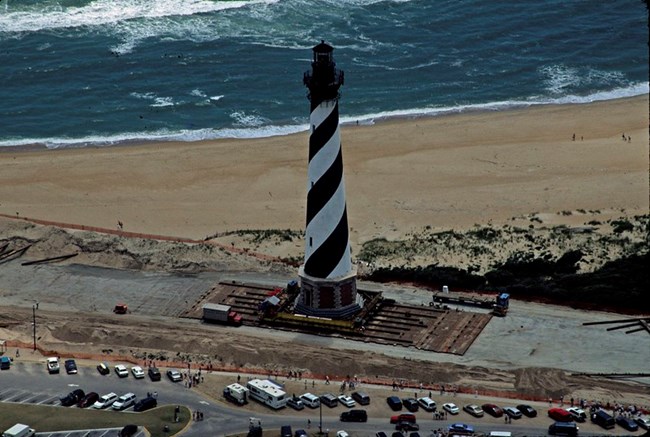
(560, 415)
(492, 410)
(404, 417)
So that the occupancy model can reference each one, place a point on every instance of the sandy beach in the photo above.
(402, 175)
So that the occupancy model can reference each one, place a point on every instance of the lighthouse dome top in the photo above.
(323, 52)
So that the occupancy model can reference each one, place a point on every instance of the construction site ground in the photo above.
(535, 352)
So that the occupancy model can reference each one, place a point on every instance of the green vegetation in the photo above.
(48, 418)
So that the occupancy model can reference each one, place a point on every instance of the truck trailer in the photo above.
(213, 312)
(236, 393)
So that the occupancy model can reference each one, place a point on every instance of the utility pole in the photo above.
(34, 308)
(320, 424)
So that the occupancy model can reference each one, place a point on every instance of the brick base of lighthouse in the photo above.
(334, 298)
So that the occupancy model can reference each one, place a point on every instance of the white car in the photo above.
(105, 401)
(137, 371)
(643, 422)
(578, 414)
(124, 402)
(450, 408)
(347, 401)
(342, 434)
(121, 371)
(53, 365)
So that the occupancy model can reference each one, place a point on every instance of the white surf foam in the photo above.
(48, 15)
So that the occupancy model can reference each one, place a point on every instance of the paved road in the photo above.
(220, 419)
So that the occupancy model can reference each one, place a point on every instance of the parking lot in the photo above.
(106, 432)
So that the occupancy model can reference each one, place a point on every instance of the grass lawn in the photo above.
(49, 418)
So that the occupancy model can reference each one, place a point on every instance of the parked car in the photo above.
(295, 403)
(560, 415)
(88, 400)
(527, 410)
(361, 397)
(72, 398)
(602, 418)
(174, 375)
(52, 365)
(347, 401)
(128, 431)
(285, 431)
(512, 412)
(627, 423)
(578, 414)
(451, 408)
(394, 403)
(474, 410)
(145, 404)
(124, 401)
(154, 373)
(70, 367)
(137, 371)
(5, 363)
(404, 417)
(381, 434)
(568, 429)
(411, 404)
(342, 433)
(407, 426)
(329, 399)
(460, 429)
(354, 416)
(121, 371)
(643, 422)
(105, 401)
(103, 369)
(427, 404)
(300, 433)
(492, 410)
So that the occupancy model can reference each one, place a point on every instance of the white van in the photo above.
(427, 403)
(124, 402)
(312, 401)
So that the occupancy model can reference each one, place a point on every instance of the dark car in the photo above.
(394, 403)
(300, 433)
(411, 404)
(407, 426)
(154, 373)
(627, 423)
(285, 431)
(129, 431)
(492, 410)
(381, 434)
(527, 410)
(354, 416)
(88, 400)
(70, 367)
(103, 369)
(145, 404)
(460, 429)
(72, 398)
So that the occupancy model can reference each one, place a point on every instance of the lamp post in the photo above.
(320, 424)
(34, 308)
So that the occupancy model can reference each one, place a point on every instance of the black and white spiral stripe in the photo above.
(327, 253)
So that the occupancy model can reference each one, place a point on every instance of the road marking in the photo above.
(204, 402)
(48, 400)
(16, 395)
(73, 385)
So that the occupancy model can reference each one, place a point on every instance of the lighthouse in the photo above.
(327, 276)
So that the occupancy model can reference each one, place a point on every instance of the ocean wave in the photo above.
(49, 15)
(248, 126)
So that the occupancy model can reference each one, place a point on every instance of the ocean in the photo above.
(101, 72)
